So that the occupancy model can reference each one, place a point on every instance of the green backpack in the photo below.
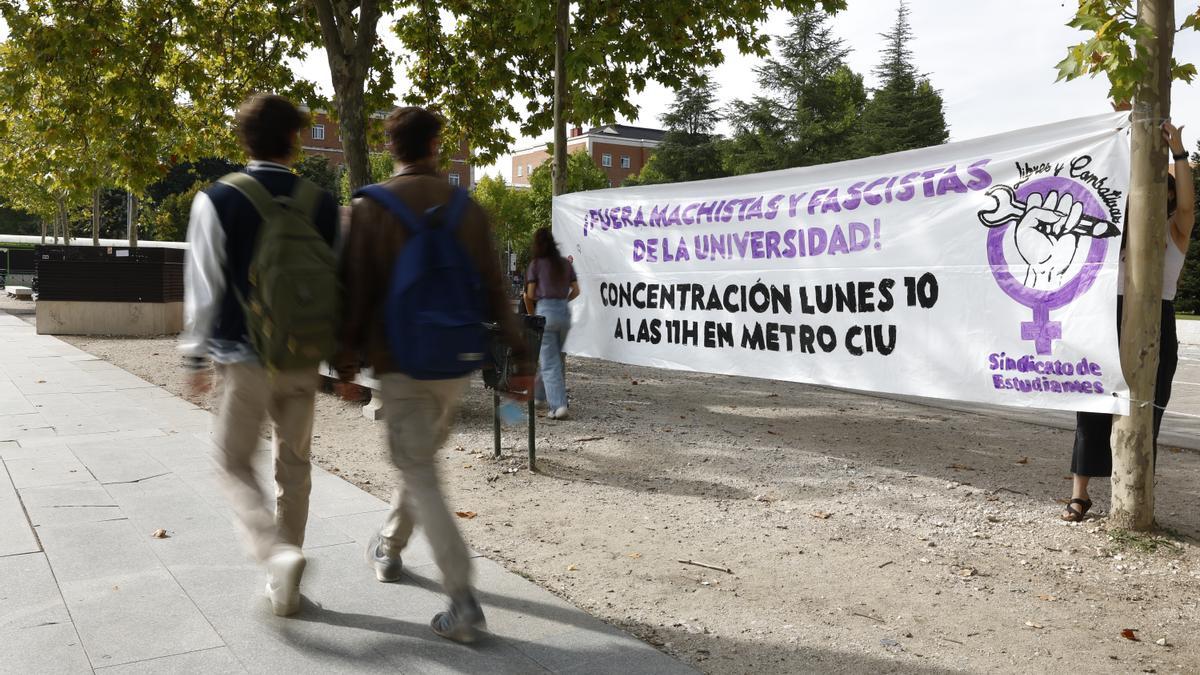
(294, 302)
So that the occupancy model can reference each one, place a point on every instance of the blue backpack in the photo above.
(433, 310)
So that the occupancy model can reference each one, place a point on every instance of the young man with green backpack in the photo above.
(262, 301)
(421, 276)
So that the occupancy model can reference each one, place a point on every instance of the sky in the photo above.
(992, 60)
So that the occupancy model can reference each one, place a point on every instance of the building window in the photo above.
(520, 171)
(454, 179)
(318, 132)
(606, 160)
(528, 169)
(624, 161)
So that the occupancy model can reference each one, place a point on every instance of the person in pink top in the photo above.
(550, 284)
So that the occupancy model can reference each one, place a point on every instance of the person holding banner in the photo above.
(550, 284)
(1092, 454)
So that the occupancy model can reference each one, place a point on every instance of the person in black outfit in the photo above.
(1092, 455)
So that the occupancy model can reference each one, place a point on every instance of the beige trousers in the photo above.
(249, 395)
(419, 414)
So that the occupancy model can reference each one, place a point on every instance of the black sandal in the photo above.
(1074, 515)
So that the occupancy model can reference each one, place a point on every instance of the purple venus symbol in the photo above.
(1041, 330)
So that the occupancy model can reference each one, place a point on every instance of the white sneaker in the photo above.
(559, 413)
(284, 569)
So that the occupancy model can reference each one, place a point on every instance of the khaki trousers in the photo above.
(249, 395)
(419, 414)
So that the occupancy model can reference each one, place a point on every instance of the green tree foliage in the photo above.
(319, 170)
(1112, 48)
(650, 174)
(905, 111)
(582, 175)
(690, 149)
(479, 61)
(112, 94)
(168, 219)
(809, 107)
(181, 177)
(511, 214)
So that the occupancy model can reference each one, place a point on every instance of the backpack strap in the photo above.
(305, 195)
(392, 203)
(455, 209)
(253, 190)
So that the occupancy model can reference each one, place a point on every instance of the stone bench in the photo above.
(19, 292)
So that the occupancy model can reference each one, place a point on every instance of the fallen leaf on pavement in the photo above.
(635, 555)
(465, 514)
(159, 534)
(820, 514)
(1023, 460)
(467, 466)
(1130, 634)
(1047, 598)
(1033, 625)
(966, 572)
(960, 467)
(572, 568)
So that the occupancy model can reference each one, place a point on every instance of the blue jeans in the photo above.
(558, 324)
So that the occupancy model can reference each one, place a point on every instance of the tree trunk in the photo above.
(349, 40)
(43, 220)
(1133, 436)
(60, 221)
(96, 217)
(562, 26)
(131, 219)
(352, 118)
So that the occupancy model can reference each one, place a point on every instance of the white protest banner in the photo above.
(983, 270)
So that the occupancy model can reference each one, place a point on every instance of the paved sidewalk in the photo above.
(93, 460)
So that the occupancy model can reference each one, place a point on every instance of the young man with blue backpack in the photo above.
(262, 300)
(421, 276)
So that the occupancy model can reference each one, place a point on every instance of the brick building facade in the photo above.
(618, 150)
(323, 137)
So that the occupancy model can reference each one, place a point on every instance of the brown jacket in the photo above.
(370, 250)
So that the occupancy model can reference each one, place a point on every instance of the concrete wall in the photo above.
(125, 319)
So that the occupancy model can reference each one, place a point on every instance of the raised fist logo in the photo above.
(1051, 231)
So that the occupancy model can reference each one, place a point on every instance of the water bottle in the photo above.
(511, 412)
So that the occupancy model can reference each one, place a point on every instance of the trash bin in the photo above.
(498, 376)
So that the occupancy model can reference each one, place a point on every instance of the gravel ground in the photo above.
(860, 533)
